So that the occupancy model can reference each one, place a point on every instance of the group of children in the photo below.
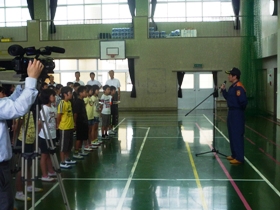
(64, 114)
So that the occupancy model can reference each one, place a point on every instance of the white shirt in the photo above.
(13, 107)
(49, 123)
(106, 101)
(94, 82)
(114, 82)
(81, 82)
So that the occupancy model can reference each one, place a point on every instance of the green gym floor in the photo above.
(152, 164)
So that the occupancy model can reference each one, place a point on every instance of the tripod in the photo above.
(215, 95)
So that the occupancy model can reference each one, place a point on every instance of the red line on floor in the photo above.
(237, 190)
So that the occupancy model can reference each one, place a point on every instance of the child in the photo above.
(28, 148)
(90, 114)
(106, 101)
(80, 121)
(47, 97)
(96, 111)
(75, 94)
(65, 124)
(114, 112)
(70, 84)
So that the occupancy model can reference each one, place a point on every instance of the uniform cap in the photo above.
(234, 71)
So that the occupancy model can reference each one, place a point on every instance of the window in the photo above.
(13, 13)
(92, 11)
(65, 71)
(193, 10)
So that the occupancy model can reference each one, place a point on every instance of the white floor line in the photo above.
(119, 123)
(44, 196)
(167, 180)
(121, 201)
(249, 162)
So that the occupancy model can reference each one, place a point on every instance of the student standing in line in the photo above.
(106, 101)
(65, 124)
(47, 98)
(28, 148)
(80, 123)
(96, 113)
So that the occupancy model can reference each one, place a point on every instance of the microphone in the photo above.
(55, 49)
(225, 82)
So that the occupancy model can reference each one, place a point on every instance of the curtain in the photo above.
(215, 79)
(30, 5)
(180, 77)
(154, 4)
(236, 9)
(132, 6)
(132, 76)
(53, 6)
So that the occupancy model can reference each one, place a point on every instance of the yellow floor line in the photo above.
(196, 177)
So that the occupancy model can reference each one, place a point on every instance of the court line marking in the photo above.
(151, 179)
(44, 196)
(234, 185)
(121, 201)
(202, 197)
(253, 167)
(119, 123)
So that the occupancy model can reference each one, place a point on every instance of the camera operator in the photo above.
(13, 107)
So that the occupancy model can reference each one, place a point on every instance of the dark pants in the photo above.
(6, 193)
(115, 110)
(236, 129)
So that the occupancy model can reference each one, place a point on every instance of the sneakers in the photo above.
(83, 154)
(94, 147)
(20, 196)
(51, 174)
(87, 149)
(76, 156)
(64, 165)
(36, 189)
(69, 161)
(111, 132)
(95, 143)
(47, 179)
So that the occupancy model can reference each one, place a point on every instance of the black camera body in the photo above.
(20, 63)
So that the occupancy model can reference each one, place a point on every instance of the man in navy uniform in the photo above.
(236, 102)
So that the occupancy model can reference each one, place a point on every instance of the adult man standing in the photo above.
(116, 83)
(77, 75)
(92, 81)
(237, 102)
(13, 107)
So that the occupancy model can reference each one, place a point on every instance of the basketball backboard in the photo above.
(112, 50)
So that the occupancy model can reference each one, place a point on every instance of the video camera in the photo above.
(20, 63)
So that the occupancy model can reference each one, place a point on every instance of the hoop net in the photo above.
(112, 55)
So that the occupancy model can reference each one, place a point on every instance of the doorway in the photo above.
(196, 87)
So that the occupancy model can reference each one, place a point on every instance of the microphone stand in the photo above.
(215, 95)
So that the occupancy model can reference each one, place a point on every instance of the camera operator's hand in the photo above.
(34, 68)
